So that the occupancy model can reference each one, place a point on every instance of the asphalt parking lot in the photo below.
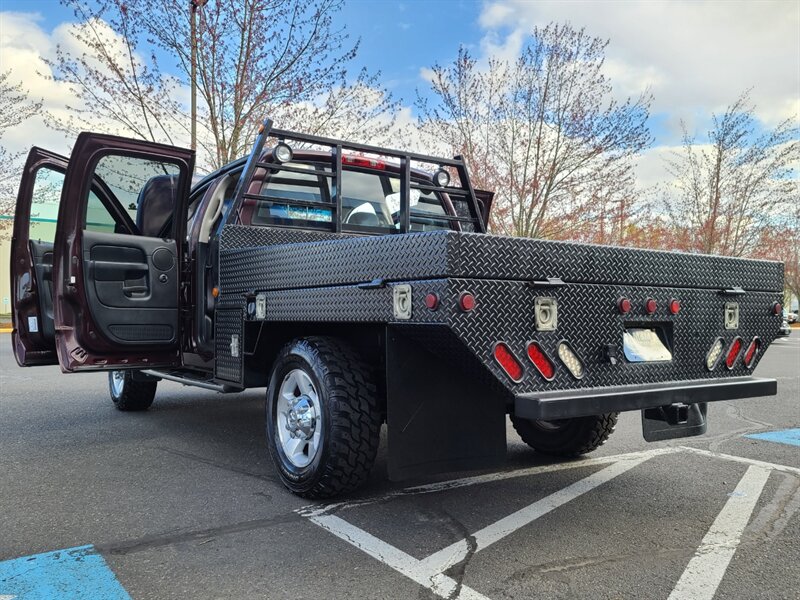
(183, 502)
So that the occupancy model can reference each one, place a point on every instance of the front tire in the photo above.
(128, 394)
(323, 419)
(566, 437)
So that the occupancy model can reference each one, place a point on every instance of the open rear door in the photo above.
(33, 337)
(118, 255)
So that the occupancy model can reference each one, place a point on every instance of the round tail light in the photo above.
(674, 306)
(777, 308)
(432, 301)
(624, 306)
(466, 302)
(650, 306)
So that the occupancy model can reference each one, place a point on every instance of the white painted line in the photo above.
(441, 486)
(455, 553)
(397, 559)
(743, 460)
(705, 570)
(3, 597)
(429, 572)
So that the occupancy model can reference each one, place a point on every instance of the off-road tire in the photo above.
(351, 418)
(567, 437)
(134, 395)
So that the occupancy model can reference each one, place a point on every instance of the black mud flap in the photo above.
(674, 421)
(439, 417)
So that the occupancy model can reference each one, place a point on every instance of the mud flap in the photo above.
(674, 421)
(439, 417)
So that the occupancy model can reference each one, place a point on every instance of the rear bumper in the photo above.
(580, 403)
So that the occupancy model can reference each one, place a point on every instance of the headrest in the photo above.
(156, 203)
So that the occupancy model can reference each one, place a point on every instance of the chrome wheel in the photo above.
(298, 418)
(117, 383)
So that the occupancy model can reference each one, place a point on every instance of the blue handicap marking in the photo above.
(785, 436)
(71, 574)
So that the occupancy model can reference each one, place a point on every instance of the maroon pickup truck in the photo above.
(358, 284)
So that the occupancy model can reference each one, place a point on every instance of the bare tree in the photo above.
(726, 193)
(280, 58)
(255, 58)
(542, 131)
(115, 88)
(15, 108)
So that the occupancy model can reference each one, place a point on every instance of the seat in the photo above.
(155, 204)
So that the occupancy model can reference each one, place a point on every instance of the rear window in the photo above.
(370, 202)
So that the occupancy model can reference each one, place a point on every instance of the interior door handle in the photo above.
(106, 270)
(134, 289)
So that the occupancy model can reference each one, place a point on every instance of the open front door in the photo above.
(118, 254)
(33, 336)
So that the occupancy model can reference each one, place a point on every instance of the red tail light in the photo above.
(624, 306)
(466, 302)
(751, 352)
(650, 306)
(777, 308)
(733, 353)
(361, 161)
(674, 306)
(432, 301)
(541, 361)
(508, 362)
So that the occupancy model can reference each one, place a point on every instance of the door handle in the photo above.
(134, 289)
(106, 270)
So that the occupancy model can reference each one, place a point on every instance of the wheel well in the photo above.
(263, 341)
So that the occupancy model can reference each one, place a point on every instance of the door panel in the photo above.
(117, 294)
(31, 259)
(132, 286)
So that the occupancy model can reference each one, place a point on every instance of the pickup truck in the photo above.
(359, 285)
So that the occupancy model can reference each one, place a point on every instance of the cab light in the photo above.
(752, 352)
(650, 306)
(570, 360)
(432, 301)
(466, 302)
(713, 356)
(541, 361)
(674, 306)
(362, 161)
(508, 362)
(624, 306)
(282, 152)
(777, 308)
(733, 352)
(441, 178)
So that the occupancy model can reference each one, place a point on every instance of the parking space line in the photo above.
(742, 459)
(397, 559)
(455, 553)
(452, 484)
(705, 570)
(429, 572)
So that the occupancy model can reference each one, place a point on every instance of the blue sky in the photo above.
(695, 56)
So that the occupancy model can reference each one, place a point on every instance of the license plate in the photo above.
(644, 345)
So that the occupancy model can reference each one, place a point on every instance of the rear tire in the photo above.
(566, 437)
(323, 418)
(128, 394)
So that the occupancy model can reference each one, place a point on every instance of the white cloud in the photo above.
(22, 45)
(697, 57)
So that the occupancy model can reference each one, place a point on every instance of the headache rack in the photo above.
(460, 192)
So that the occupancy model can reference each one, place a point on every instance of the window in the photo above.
(370, 202)
(44, 204)
(145, 189)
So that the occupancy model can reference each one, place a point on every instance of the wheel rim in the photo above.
(298, 418)
(117, 382)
